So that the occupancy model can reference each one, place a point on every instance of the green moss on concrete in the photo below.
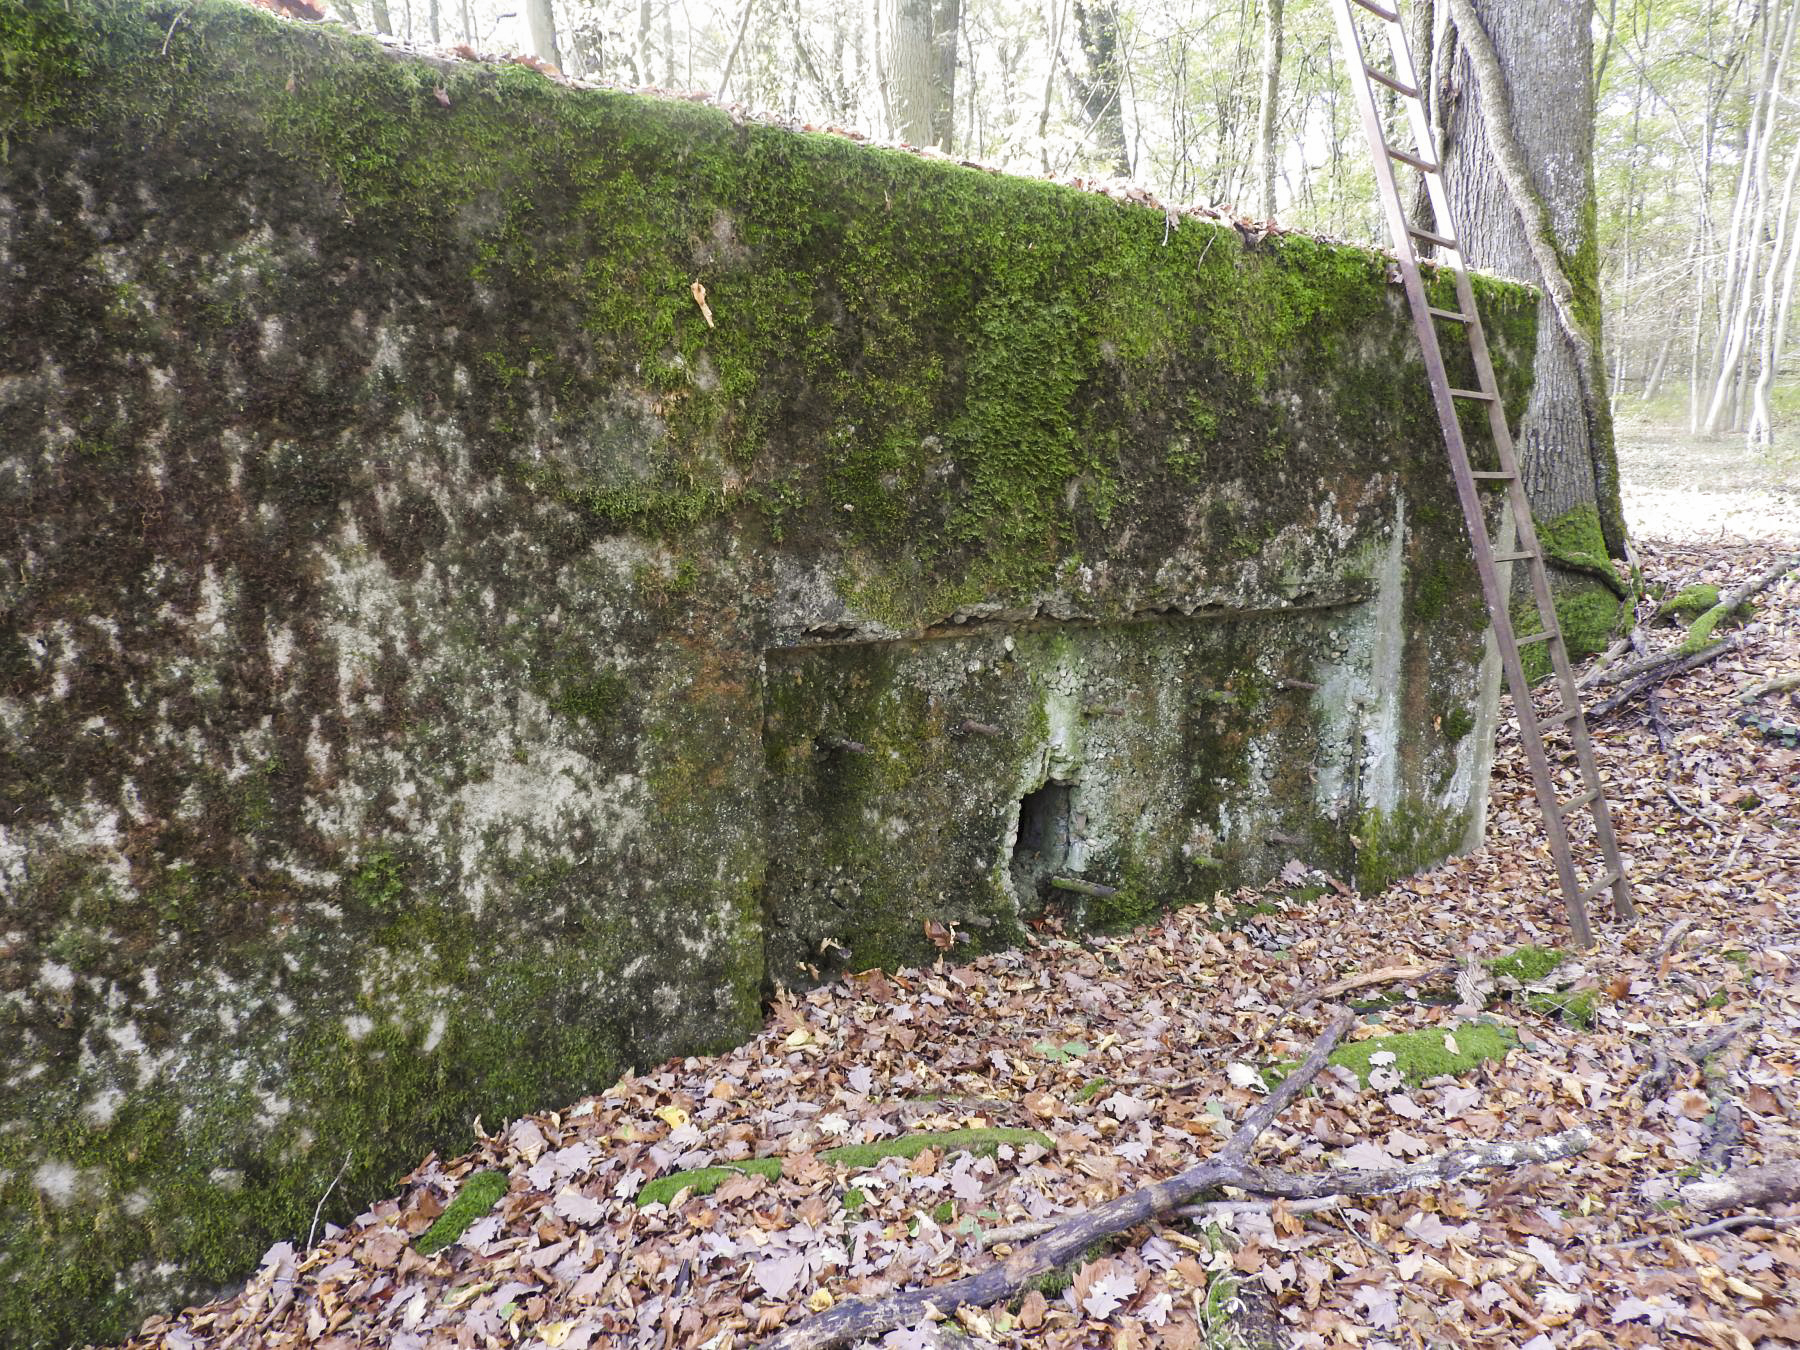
(855, 1157)
(479, 1193)
(1397, 843)
(1424, 1054)
(1528, 964)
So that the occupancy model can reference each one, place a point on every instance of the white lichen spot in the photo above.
(434, 1035)
(100, 1109)
(56, 977)
(58, 1182)
(356, 1026)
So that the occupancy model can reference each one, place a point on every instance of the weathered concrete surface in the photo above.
(438, 669)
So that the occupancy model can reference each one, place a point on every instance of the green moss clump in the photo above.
(1419, 1055)
(479, 1193)
(1576, 538)
(705, 1180)
(855, 1157)
(1576, 1007)
(379, 883)
(1398, 843)
(1528, 964)
(1689, 602)
(596, 699)
(1457, 723)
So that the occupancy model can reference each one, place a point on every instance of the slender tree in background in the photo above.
(540, 23)
(1519, 164)
(1266, 157)
(1098, 89)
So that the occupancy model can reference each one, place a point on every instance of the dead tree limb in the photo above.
(1749, 1188)
(1781, 684)
(1368, 980)
(1736, 1221)
(1661, 1065)
(1230, 1166)
(1666, 667)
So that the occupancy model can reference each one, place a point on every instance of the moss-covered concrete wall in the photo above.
(439, 668)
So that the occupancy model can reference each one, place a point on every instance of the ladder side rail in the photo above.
(1437, 193)
(1474, 515)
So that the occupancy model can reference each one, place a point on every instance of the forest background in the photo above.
(1243, 104)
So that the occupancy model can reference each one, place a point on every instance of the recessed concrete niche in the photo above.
(440, 669)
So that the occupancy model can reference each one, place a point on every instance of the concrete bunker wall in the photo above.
(440, 668)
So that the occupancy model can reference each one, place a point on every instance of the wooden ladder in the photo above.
(1401, 77)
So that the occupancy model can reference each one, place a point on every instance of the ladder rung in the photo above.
(1379, 11)
(1398, 86)
(1492, 475)
(1406, 157)
(1600, 885)
(1536, 638)
(1513, 557)
(1455, 315)
(1481, 394)
(1558, 719)
(1566, 809)
(1431, 237)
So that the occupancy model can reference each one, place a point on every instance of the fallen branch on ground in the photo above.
(1368, 979)
(1663, 666)
(1671, 661)
(1709, 1229)
(1751, 1188)
(1781, 684)
(1661, 1061)
(853, 1320)
(1605, 661)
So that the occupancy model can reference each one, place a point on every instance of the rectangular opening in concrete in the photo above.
(1042, 847)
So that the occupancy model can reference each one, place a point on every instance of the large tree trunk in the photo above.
(1519, 163)
(922, 70)
(540, 25)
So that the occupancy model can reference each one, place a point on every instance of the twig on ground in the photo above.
(1605, 660)
(1671, 938)
(853, 1320)
(1710, 1229)
(319, 1208)
(1665, 666)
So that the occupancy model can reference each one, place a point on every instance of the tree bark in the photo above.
(922, 70)
(540, 27)
(1099, 89)
(378, 15)
(1519, 162)
(1271, 98)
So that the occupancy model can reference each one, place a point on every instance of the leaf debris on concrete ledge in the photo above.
(1554, 1255)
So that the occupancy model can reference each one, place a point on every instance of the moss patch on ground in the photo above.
(479, 1194)
(856, 1157)
(1576, 1007)
(1429, 1053)
(1528, 964)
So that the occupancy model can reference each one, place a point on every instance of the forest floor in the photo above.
(1134, 1054)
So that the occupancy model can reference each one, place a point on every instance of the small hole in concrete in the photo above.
(1042, 849)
